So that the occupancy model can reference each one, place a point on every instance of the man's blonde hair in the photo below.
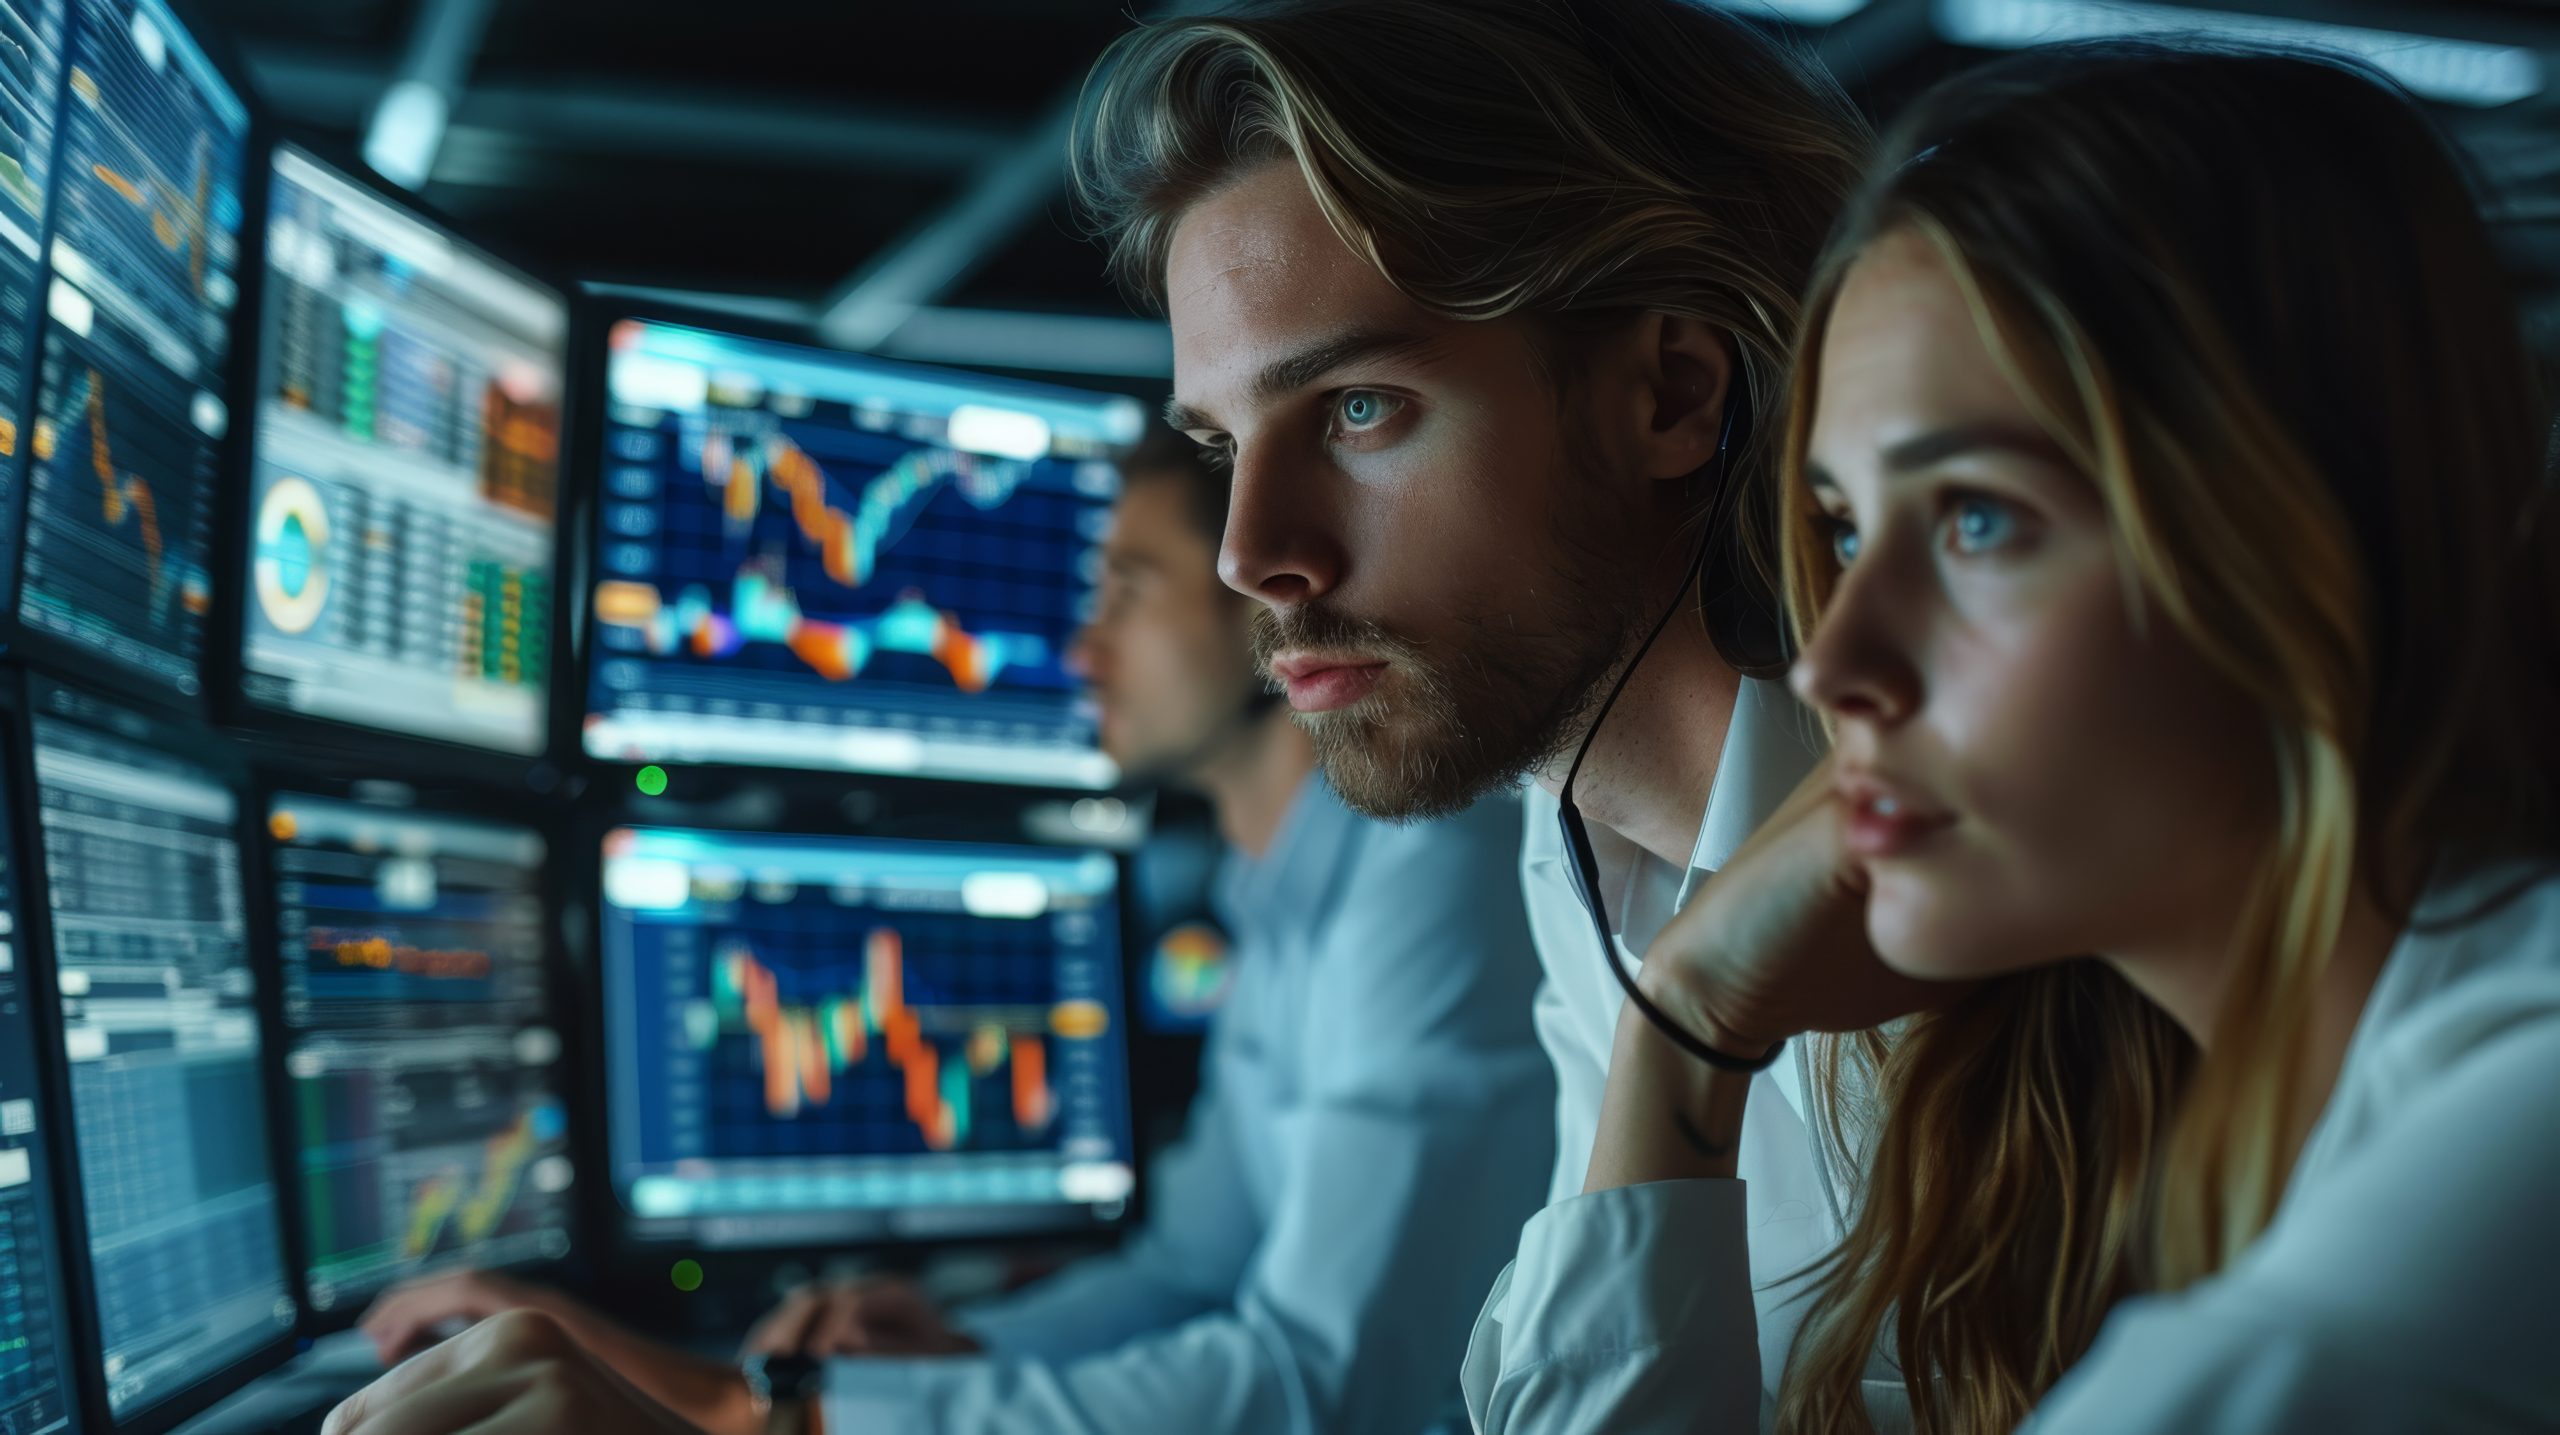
(1564, 162)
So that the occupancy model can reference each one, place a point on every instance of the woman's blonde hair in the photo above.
(2251, 296)
(1564, 160)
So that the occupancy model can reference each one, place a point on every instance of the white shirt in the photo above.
(1356, 1168)
(1552, 1352)
(2405, 1283)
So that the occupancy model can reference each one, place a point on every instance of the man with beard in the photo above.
(1486, 306)
(1368, 1139)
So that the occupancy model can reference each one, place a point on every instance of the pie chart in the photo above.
(290, 568)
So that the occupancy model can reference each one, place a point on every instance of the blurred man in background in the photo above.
(1371, 1131)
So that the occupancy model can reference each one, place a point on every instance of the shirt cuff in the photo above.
(1635, 1267)
(870, 1393)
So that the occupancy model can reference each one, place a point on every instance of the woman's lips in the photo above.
(1317, 685)
(1881, 824)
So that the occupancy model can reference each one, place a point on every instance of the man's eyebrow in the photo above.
(1287, 375)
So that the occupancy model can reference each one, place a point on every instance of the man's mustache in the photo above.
(1325, 631)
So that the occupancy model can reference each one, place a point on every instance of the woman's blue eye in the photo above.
(1844, 543)
(1980, 525)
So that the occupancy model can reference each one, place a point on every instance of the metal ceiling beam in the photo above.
(408, 124)
(502, 132)
(932, 258)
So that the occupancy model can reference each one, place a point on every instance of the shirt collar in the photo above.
(1769, 747)
(1288, 885)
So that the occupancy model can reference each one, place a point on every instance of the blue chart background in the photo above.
(92, 579)
(1018, 567)
(163, 111)
(815, 948)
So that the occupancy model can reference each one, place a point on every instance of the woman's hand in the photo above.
(1775, 944)
(403, 1321)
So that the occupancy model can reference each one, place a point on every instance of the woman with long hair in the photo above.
(2169, 552)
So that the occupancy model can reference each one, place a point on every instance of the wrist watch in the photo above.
(773, 1377)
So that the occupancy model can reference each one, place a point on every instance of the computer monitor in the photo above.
(835, 1040)
(31, 85)
(37, 1380)
(816, 559)
(428, 1094)
(406, 472)
(130, 411)
(185, 1265)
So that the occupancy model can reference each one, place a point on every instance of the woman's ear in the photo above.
(1685, 369)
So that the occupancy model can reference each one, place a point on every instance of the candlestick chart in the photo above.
(830, 1027)
(934, 1035)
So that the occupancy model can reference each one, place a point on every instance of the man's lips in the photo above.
(1884, 821)
(1321, 684)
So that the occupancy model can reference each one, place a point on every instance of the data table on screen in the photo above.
(129, 414)
(406, 475)
(827, 1036)
(430, 1106)
(159, 1023)
(35, 1383)
(817, 559)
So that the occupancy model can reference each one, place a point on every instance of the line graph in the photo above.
(153, 153)
(763, 609)
(849, 542)
(796, 545)
(116, 520)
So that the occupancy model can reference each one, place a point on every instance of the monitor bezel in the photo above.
(228, 635)
(592, 333)
(613, 1221)
(50, 652)
(23, 696)
(270, 779)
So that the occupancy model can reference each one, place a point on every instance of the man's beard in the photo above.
(1481, 710)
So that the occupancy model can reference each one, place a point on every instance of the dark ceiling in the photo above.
(779, 148)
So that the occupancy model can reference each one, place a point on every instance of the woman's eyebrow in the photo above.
(1992, 436)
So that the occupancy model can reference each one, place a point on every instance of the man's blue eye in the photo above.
(1361, 409)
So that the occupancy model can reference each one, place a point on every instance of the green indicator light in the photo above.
(651, 780)
(687, 1274)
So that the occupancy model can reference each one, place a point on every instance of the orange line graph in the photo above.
(119, 495)
(829, 528)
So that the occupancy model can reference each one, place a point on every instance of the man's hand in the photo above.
(875, 1316)
(403, 1319)
(518, 1372)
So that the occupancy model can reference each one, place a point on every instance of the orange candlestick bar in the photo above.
(1033, 1102)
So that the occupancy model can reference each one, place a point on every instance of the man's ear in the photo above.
(1685, 371)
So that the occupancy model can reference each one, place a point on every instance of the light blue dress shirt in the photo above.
(1373, 1127)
